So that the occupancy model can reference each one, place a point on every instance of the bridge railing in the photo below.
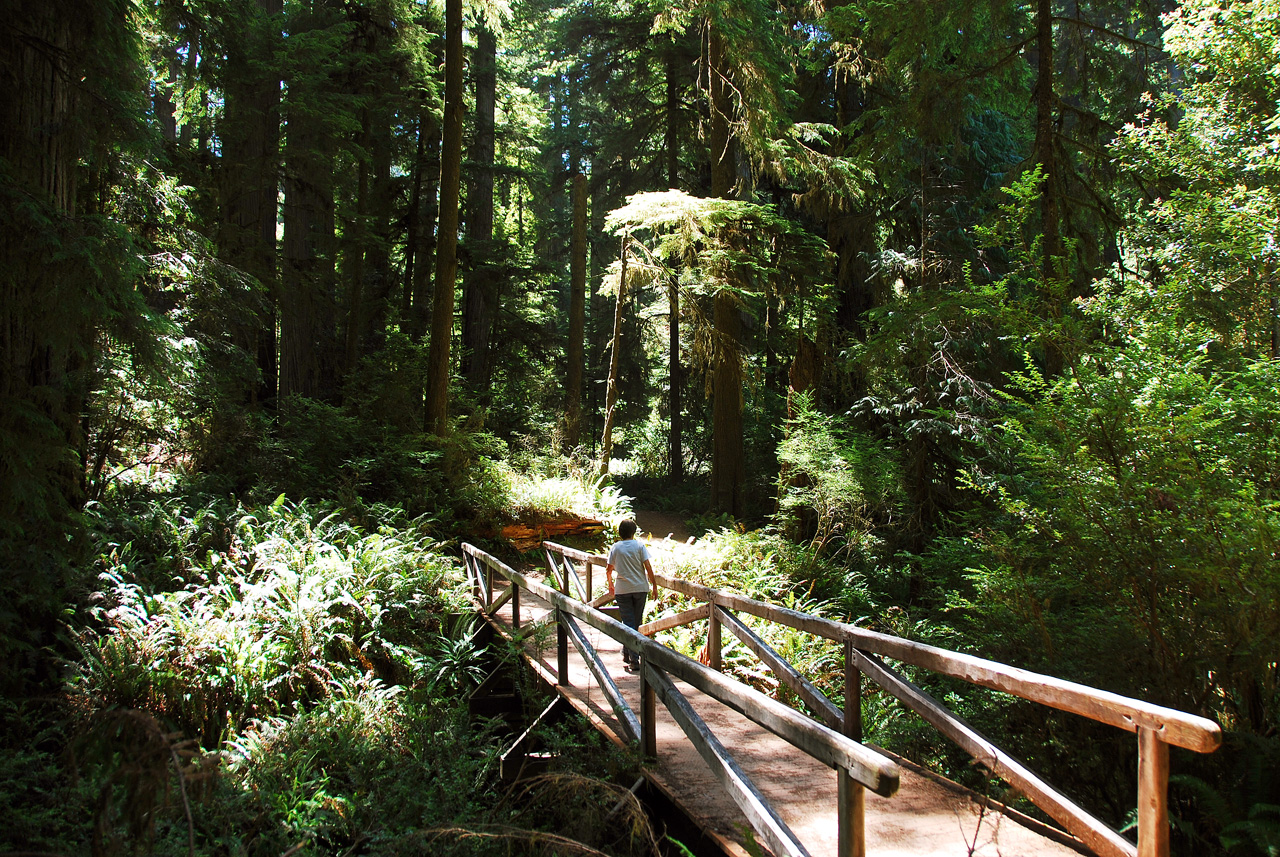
(857, 767)
(1156, 727)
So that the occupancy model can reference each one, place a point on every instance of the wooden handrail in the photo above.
(1156, 726)
(1174, 727)
(869, 768)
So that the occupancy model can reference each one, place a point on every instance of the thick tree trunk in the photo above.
(728, 468)
(575, 348)
(426, 211)
(40, 342)
(437, 390)
(250, 135)
(481, 293)
(413, 229)
(307, 310)
(356, 239)
(378, 279)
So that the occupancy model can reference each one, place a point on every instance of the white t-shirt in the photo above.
(627, 558)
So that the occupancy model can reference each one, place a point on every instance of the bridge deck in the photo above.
(926, 817)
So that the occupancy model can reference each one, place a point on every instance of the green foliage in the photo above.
(1239, 806)
(834, 487)
(287, 608)
(1148, 508)
(536, 495)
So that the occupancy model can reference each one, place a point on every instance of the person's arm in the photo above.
(653, 582)
(608, 575)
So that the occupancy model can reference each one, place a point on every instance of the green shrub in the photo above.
(292, 603)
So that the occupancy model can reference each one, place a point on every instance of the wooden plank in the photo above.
(1175, 727)
(569, 571)
(852, 725)
(648, 719)
(666, 623)
(1153, 795)
(771, 829)
(626, 717)
(1089, 830)
(827, 711)
(713, 640)
(852, 834)
(562, 651)
(851, 817)
(574, 553)
(868, 767)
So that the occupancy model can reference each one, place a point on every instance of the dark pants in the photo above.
(631, 606)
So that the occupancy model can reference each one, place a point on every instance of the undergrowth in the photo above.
(279, 679)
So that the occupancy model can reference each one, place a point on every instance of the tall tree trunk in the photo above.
(615, 345)
(427, 210)
(41, 146)
(250, 136)
(675, 372)
(356, 239)
(437, 391)
(481, 293)
(379, 282)
(413, 228)
(576, 346)
(307, 311)
(728, 469)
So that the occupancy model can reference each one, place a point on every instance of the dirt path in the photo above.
(658, 525)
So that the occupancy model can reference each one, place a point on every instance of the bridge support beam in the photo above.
(562, 651)
(852, 797)
(1153, 794)
(648, 714)
(713, 639)
(853, 806)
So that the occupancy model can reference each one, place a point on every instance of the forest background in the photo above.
(959, 319)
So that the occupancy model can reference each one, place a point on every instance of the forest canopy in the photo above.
(966, 314)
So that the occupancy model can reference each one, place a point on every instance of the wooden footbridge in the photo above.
(753, 775)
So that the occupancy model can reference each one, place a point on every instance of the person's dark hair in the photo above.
(626, 528)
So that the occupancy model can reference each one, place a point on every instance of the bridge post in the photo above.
(562, 651)
(515, 606)
(473, 574)
(1153, 794)
(852, 796)
(648, 714)
(590, 594)
(713, 638)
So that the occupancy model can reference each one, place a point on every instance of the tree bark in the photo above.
(307, 312)
(40, 341)
(250, 135)
(437, 391)
(728, 469)
(481, 293)
(576, 346)
(427, 181)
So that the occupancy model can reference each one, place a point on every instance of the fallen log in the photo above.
(528, 535)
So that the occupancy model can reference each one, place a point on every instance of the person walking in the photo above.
(630, 558)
